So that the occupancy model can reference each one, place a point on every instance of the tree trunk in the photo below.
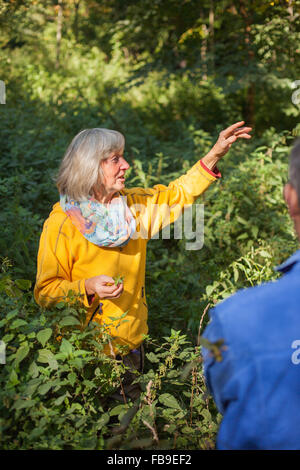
(250, 96)
(211, 20)
(204, 52)
(76, 20)
(59, 31)
(290, 10)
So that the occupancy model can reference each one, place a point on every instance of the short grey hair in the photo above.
(80, 167)
(294, 170)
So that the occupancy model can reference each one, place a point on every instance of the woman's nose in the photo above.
(124, 164)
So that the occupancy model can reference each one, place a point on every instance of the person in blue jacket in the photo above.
(256, 385)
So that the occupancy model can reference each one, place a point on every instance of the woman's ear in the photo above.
(291, 198)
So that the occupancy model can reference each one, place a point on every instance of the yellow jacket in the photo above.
(66, 258)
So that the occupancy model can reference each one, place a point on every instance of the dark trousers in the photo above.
(134, 362)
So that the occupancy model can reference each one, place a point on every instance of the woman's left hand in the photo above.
(226, 138)
(229, 136)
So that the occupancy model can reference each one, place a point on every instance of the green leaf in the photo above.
(47, 357)
(242, 236)
(20, 404)
(116, 318)
(32, 386)
(209, 290)
(77, 363)
(187, 430)
(151, 357)
(17, 323)
(13, 378)
(12, 314)
(254, 231)
(69, 320)
(43, 389)
(8, 338)
(117, 410)
(23, 284)
(206, 415)
(37, 432)
(82, 352)
(72, 378)
(241, 220)
(87, 443)
(77, 407)
(66, 347)
(81, 421)
(60, 400)
(89, 384)
(60, 305)
(168, 400)
(21, 354)
(126, 418)
(44, 335)
(236, 274)
(148, 413)
(102, 421)
(171, 428)
(265, 254)
(33, 370)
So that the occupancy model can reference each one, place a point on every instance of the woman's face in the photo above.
(113, 172)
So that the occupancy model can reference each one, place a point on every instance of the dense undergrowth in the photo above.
(56, 381)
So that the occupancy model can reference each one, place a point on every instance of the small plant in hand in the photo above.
(118, 280)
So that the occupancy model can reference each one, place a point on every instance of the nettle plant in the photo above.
(174, 410)
(56, 385)
(55, 373)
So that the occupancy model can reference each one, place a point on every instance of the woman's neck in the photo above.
(103, 196)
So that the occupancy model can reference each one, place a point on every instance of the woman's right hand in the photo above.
(104, 287)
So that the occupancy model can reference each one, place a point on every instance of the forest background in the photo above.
(170, 75)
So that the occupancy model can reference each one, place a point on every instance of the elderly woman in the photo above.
(99, 229)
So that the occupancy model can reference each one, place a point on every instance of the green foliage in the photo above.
(170, 75)
(54, 377)
(174, 411)
(56, 385)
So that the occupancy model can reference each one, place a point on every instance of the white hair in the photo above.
(80, 170)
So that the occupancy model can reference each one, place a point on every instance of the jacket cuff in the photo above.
(215, 172)
(91, 298)
(87, 300)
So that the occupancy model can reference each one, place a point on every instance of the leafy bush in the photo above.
(56, 386)
(55, 373)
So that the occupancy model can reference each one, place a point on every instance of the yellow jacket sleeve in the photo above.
(161, 205)
(54, 265)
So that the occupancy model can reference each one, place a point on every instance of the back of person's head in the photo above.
(294, 170)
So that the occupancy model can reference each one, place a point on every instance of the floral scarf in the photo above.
(109, 225)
